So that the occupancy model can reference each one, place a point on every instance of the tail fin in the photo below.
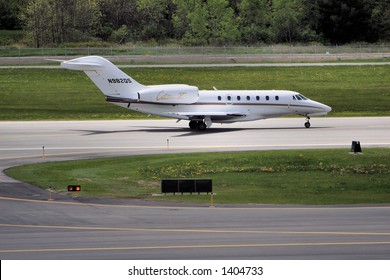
(106, 76)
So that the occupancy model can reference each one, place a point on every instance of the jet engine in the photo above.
(169, 94)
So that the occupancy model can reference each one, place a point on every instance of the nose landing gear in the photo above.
(307, 123)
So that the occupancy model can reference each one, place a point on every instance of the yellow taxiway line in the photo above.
(198, 230)
(205, 246)
(204, 207)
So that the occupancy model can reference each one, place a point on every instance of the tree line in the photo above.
(198, 22)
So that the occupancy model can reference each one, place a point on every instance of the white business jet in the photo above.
(185, 102)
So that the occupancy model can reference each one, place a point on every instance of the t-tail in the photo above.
(113, 82)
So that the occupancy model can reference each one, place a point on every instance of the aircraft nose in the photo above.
(320, 109)
(327, 108)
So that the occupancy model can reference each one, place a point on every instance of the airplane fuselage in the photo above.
(185, 102)
(243, 105)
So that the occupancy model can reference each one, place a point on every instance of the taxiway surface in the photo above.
(33, 228)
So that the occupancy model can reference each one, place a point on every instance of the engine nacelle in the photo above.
(169, 94)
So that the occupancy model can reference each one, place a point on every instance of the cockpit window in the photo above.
(303, 98)
(299, 97)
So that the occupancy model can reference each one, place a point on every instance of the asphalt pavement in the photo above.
(33, 227)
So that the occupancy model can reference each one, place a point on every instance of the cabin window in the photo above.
(257, 98)
(267, 98)
(248, 98)
(276, 97)
(229, 98)
(219, 98)
(238, 98)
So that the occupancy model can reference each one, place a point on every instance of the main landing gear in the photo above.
(198, 125)
(307, 123)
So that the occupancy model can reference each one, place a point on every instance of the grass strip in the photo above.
(58, 94)
(305, 177)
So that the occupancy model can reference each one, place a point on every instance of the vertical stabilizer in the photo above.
(107, 77)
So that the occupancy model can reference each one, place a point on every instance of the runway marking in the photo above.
(164, 147)
(198, 230)
(47, 155)
(203, 207)
(172, 148)
(205, 246)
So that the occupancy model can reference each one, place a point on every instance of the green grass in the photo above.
(307, 177)
(55, 94)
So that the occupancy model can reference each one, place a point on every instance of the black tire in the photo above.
(307, 124)
(193, 124)
(202, 126)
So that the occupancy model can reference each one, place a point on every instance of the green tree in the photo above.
(180, 18)
(118, 12)
(9, 14)
(120, 35)
(310, 21)
(286, 21)
(343, 21)
(211, 22)
(222, 22)
(380, 19)
(116, 18)
(153, 19)
(52, 22)
(35, 23)
(198, 32)
(255, 21)
(199, 22)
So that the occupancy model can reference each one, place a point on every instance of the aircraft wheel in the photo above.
(202, 126)
(307, 124)
(193, 124)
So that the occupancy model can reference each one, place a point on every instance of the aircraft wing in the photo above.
(211, 115)
(220, 116)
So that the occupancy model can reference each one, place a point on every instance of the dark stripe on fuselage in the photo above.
(127, 100)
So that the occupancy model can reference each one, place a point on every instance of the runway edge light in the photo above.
(74, 188)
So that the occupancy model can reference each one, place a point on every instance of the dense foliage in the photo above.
(198, 22)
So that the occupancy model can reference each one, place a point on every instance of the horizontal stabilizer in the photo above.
(82, 66)
(55, 60)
